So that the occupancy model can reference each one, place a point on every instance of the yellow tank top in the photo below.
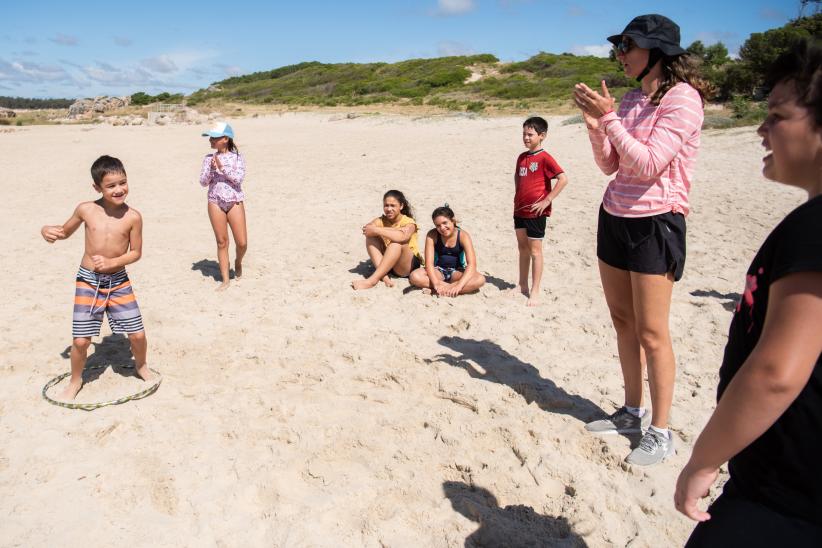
(404, 220)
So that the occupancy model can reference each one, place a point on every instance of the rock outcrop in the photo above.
(7, 113)
(86, 108)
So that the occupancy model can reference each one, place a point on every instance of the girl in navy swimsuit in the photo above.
(450, 262)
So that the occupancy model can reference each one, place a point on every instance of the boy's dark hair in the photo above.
(537, 123)
(801, 66)
(105, 165)
(405, 207)
(444, 211)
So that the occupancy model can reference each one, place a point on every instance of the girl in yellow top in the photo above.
(391, 241)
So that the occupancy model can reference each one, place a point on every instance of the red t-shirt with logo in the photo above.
(533, 179)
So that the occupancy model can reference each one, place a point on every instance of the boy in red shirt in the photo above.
(532, 203)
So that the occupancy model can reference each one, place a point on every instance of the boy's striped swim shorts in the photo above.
(97, 293)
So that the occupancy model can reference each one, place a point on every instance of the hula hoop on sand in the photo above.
(92, 406)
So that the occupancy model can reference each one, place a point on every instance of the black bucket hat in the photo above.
(652, 31)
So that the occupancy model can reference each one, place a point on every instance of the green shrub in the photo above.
(475, 106)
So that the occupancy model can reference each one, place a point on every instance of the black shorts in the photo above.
(534, 228)
(649, 245)
(737, 522)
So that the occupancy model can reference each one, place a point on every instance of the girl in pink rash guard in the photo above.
(223, 172)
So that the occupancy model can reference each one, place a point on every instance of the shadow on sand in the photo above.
(114, 351)
(499, 283)
(730, 299)
(364, 269)
(510, 526)
(501, 367)
(211, 269)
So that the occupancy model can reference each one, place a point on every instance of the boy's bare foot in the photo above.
(362, 284)
(238, 269)
(145, 373)
(70, 391)
(518, 290)
(222, 287)
(532, 301)
(427, 291)
(387, 281)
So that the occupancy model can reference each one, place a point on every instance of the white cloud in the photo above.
(448, 48)
(161, 63)
(712, 37)
(21, 71)
(64, 39)
(597, 50)
(454, 7)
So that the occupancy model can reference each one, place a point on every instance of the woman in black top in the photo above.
(768, 420)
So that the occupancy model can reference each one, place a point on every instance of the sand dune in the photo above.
(297, 412)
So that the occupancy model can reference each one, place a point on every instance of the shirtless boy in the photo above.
(114, 239)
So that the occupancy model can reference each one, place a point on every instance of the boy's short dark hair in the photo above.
(801, 65)
(537, 123)
(105, 165)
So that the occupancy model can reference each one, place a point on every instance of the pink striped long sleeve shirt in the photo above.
(652, 149)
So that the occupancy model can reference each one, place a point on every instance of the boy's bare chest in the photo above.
(104, 228)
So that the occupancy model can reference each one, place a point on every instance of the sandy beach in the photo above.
(297, 412)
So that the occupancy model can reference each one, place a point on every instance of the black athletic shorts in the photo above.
(650, 245)
(738, 522)
(534, 228)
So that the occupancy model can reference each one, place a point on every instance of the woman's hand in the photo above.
(691, 486)
(592, 104)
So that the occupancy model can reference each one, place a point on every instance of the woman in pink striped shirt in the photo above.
(651, 145)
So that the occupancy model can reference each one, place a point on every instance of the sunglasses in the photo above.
(624, 46)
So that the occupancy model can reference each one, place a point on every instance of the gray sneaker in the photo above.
(653, 449)
(621, 422)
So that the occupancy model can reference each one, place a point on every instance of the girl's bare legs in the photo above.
(419, 278)
(616, 284)
(236, 220)
(375, 248)
(477, 280)
(652, 306)
(219, 222)
(397, 257)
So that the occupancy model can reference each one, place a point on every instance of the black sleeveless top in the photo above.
(448, 257)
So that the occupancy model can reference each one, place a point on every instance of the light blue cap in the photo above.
(220, 129)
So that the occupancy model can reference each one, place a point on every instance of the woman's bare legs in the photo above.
(616, 284)
(219, 222)
(236, 220)
(640, 306)
(652, 307)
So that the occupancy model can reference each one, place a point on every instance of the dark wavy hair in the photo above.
(444, 211)
(801, 66)
(682, 68)
(405, 207)
(232, 147)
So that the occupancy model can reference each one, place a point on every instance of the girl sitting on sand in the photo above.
(391, 241)
(223, 172)
(451, 263)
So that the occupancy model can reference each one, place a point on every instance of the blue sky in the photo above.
(82, 49)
